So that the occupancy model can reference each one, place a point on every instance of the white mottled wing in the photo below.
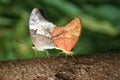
(42, 42)
(40, 30)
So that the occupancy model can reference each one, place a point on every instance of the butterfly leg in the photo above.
(66, 56)
(59, 53)
(36, 53)
(34, 48)
(47, 53)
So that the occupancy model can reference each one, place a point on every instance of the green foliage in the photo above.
(101, 26)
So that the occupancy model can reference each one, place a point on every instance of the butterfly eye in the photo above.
(33, 45)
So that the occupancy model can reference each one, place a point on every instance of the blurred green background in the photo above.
(100, 18)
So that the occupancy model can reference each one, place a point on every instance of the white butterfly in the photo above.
(40, 31)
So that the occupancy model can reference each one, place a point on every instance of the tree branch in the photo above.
(80, 67)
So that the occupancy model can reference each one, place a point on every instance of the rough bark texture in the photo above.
(82, 67)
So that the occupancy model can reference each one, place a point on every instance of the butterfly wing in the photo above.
(39, 24)
(40, 28)
(67, 37)
(42, 42)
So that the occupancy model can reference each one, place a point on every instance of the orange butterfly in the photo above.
(66, 38)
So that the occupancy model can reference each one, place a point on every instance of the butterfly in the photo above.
(46, 35)
(40, 31)
(67, 37)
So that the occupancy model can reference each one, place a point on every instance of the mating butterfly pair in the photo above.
(46, 35)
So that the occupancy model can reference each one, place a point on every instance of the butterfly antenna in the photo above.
(22, 42)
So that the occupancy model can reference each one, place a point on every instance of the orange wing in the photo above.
(67, 37)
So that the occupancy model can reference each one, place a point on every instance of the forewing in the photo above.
(39, 25)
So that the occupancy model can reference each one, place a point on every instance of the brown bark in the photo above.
(80, 67)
